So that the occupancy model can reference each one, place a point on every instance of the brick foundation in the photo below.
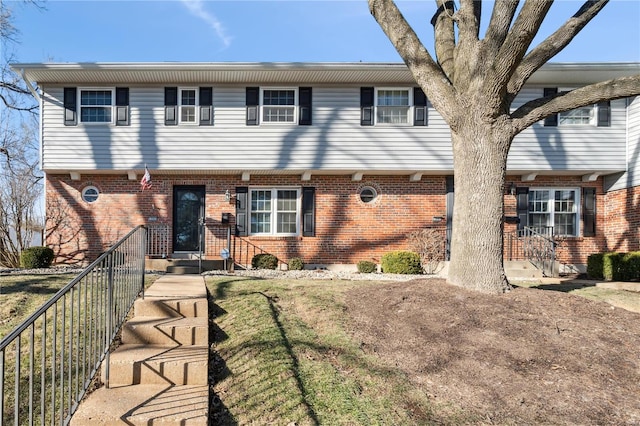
(347, 230)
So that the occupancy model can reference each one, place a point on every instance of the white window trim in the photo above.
(80, 106)
(196, 106)
(593, 116)
(409, 110)
(274, 212)
(295, 106)
(578, 205)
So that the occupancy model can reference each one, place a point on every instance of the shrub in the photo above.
(595, 264)
(36, 257)
(630, 267)
(296, 264)
(264, 261)
(367, 267)
(401, 262)
(429, 243)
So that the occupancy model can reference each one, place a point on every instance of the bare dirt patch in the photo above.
(527, 357)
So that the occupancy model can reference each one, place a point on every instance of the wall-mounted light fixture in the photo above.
(227, 196)
(512, 189)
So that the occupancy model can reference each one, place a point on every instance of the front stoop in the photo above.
(159, 374)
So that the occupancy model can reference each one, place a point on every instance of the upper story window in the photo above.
(583, 115)
(279, 105)
(590, 115)
(96, 105)
(188, 105)
(392, 106)
(188, 102)
(554, 210)
(274, 211)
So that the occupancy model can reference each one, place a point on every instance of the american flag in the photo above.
(146, 179)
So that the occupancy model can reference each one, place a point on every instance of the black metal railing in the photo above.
(158, 240)
(48, 362)
(534, 244)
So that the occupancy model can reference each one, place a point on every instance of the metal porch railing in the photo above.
(48, 362)
(535, 244)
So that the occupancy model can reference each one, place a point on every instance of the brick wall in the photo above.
(622, 216)
(347, 230)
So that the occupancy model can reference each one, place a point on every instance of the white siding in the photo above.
(334, 142)
(570, 148)
(632, 176)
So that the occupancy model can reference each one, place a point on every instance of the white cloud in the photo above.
(196, 7)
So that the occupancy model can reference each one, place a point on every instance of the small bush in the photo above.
(630, 267)
(36, 257)
(296, 264)
(367, 267)
(264, 261)
(595, 264)
(429, 243)
(401, 262)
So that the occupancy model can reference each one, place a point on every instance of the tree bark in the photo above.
(480, 156)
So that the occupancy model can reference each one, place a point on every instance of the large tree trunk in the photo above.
(480, 156)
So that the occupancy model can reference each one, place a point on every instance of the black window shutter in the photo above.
(206, 106)
(242, 210)
(308, 211)
(366, 106)
(604, 114)
(449, 187)
(122, 106)
(252, 102)
(305, 106)
(551, 120)
(70, 106)
(522, 206)
(170, 106)
(419, 107)
(589, 212)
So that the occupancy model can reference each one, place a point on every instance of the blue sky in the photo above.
(268, 31)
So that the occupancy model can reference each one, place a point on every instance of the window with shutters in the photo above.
(96, 105)
(188, 100)
(554, 211)
(279, 105)
(583, 115)
(274, 211)
(393, 106)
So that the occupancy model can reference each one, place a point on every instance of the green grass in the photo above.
(285, 355)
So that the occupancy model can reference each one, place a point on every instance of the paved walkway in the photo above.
(159, 374)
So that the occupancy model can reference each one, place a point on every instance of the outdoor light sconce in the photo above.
(227, 196)
(512, 189)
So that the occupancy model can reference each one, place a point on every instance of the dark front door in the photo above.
(188, 214)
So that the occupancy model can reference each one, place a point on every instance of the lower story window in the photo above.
(554, 211)
(275, 211)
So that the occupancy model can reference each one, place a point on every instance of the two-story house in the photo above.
(331, 162)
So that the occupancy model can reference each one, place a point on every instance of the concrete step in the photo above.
(171, 307)
(178, 286)
(150, 364)
(145, 405)
(166, 331)
(521, 269)
(169, 265)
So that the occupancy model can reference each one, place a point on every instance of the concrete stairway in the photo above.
(159, 375)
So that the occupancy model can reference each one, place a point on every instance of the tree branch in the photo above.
(444, 35)
(537, 109)
(553, 44)
(427, 73)
(501, 18)
(517, 42)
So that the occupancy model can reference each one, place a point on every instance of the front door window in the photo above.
(188, 213)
